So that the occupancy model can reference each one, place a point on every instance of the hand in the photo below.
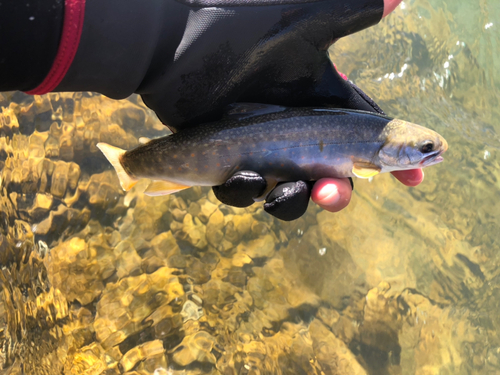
(289, 201)
(335, 194)
(190, 59)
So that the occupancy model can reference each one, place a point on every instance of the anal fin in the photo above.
(365, 170)
(160, 187)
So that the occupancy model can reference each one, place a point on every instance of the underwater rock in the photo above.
(124, 306)
(128, 262)
(102, 190)
(195, 347)
(381, 322)
(140, 353)
(332, 354)
(41, 206)
(60, 219)
(9, 124)
(207, 208)
(198, 271)
(436, 339)
(214, 228)
(89, 360)
(191, 311)
(164, 245)
(77, 257)
(263, 247)
(193, 232)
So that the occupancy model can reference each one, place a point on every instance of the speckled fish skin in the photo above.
(294, 144)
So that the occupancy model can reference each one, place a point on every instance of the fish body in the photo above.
(281, 144)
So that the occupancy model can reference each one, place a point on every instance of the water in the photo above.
(404, 281)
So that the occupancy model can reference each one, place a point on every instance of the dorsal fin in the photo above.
(240, 111)
(144, 140)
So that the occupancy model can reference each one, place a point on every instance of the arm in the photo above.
(190, 58)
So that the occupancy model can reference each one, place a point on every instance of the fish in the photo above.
(279, 143)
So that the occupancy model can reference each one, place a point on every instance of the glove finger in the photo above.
(289, 200)
(241, 189)
(336, 90)
(366, 98)
(363, 95)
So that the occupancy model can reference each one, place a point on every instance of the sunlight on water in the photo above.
(404, 281)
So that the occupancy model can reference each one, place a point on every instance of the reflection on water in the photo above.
(404, 281)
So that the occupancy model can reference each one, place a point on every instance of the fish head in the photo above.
(410, 146)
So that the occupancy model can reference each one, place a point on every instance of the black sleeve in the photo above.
(30, 31)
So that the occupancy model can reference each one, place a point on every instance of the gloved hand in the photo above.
(190, 58)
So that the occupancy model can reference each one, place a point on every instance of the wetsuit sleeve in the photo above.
(188, 59)
(30, 31)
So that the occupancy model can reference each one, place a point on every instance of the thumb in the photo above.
(389, 6)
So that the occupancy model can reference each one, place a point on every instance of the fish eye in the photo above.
(427, 147)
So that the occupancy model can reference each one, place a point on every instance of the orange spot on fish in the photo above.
(270, 163)
(175, 156)
(180, 168)
(282, 164)
(251, 153)
(169, 167)
(187, 165)
(218, 164)
(196, 169)
(229, 148)
(303, 157)
(285, 149)
(192, 155)
(206, 166)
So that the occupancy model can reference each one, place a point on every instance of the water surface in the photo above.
(404, 281)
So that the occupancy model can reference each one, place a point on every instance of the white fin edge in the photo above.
(144, 140)
(159, 187)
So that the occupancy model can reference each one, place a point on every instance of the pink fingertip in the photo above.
(389, 6)
(411, 177)
(332, 194)
(340, 73)
(328, 194)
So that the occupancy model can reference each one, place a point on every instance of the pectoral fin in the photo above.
(159, 187)
(365, 170)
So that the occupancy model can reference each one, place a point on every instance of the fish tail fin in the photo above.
(113, 154)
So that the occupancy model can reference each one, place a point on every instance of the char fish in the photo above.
(281, 144)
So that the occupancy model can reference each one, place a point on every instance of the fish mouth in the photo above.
(431, 159)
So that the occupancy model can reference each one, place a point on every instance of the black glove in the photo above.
(288, 200)
(190, 58)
